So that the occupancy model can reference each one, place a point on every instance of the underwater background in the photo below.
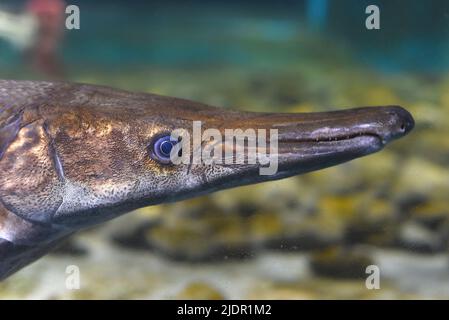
(306, 237)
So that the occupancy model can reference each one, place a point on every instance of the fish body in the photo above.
(75, 155)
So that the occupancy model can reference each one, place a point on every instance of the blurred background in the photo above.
(306, 237)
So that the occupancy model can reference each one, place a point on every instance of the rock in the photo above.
(185, 243)
(70, 247)
(134, 239)
(340, 263)
(260, 197)
(209, 236)
(341, 207)
(407, 202)
(333, 180)
(199, 291)
(150, 213)
(379, 233)
(376, 172)
(431, 214)
(417, 238)
(418, 176)
(282, 293)
(374, 223)
(17, 287)
(303, 240)
(432, 146)
(265, 226)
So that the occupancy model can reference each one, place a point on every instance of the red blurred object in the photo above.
(50, 17)
(54, 7)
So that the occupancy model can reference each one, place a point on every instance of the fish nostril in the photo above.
(403, 120)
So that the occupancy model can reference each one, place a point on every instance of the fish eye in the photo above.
(162, 148)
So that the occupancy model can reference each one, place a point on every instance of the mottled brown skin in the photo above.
(72, 155)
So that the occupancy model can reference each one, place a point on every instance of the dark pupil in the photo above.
(166, 148)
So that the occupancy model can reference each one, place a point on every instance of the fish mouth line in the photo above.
(367, 141)
(359, 144)
(337, 138)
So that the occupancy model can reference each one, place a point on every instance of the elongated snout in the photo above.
(384, 123)
(312, 141)
(399, 123)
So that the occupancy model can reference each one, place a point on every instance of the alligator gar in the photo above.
(74, 155)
